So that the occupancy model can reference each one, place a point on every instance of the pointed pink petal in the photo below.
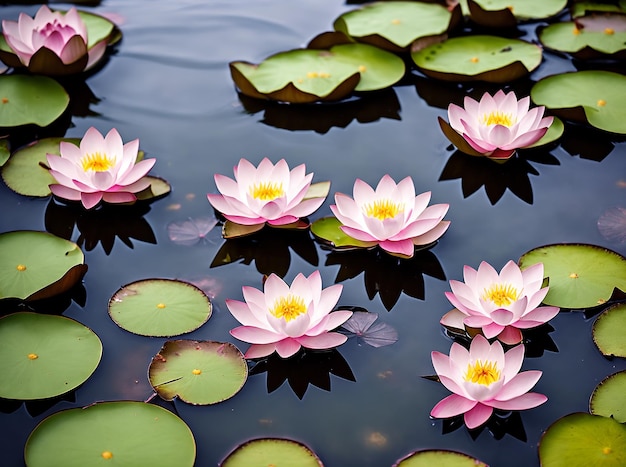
(520, 384)
(287, 347)
(510, 335)
(254, 335)
(451, 406)
(477, 416)
(322, 341)
(90, 200)
(523, 402)
(260, 350)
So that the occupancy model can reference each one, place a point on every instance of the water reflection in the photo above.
(36, 407)
(387, 275)
(588, 143)
(51, 306)
(500, 424)
(103, 225)
(304, 368)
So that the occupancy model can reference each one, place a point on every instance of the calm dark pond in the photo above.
(169, 85)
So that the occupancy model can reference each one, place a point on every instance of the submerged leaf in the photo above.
(612, 224)
(191, 231)
(362, 324)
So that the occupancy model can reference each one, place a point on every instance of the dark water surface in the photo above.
(169, 85)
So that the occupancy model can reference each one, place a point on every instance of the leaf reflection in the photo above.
(304, 368)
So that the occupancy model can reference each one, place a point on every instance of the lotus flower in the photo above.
(482, 379)
(496, 126)
(101, 169)
(285, 318)
(390, 216)
(268, 194)
(52, 43)
(500, 304)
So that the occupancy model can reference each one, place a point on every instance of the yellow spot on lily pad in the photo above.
(575, 31)
(196, 371)
(324, 75)
(609, 31)
(5, 100)
(20, 267)
(312, 74)
(601, 102)
(606, 450)
(474, 59)
(161, 305)
(362, 68)
(573, 276)
(107, 455)
(395, 21)
(33, 356)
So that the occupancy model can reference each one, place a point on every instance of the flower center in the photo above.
(498, 118)
(484, 373)
(501, 294)
(267, 191)
(289, 307)
(97, 162)
(383, 209)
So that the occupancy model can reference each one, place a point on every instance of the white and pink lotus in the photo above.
(496, 126)
(500, 304)
(100, 169)
(391, 216)
(483, 379)
(284, 318)
(52, 42)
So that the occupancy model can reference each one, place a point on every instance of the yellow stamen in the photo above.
(267, 191)
(601, 102)
(575, 31)
(97, 162)
(161, 305)
(362, 68)
(474, 59)
(289, 307)
(484, 373)
(33, 356)
(107, 455)
(606, 450)
(573, 276)
(383, 209)
(609, 31)
(498, 118)
(196, 371)
(312, 74)
(20, 267)
(395, 21)
(501, 294)
(323, 74)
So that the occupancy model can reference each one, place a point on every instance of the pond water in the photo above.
(168, 84)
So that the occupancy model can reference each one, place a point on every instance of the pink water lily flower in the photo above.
(265, 194)
(390, 216)
(482, 379)
(52, 43)
(101, 169)
(496, 126)
(500, 304)
(284, 318)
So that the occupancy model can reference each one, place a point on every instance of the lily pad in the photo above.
(507, 13)
(583, 439)
(555, 131)
(271, 451)
(609, 397)
(36, 265)
(582, 8)
(478, 58)
(121, 433)
(26, 99)
(98, 28)
(159, 307)
(5, 152)
(395, 25)
(440, 458)
(44, 356)
(158, 188)
(581, 276)
(593, 96)
(609, 331)
(198, 372)
(328, 229)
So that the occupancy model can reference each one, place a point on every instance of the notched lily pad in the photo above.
(609, 397)
(198, 372)
(593, 96)
(272, 451)
(120, 433)
(440, 458)
(507, 13)
(580, 275)
(609, 331)
(478, 58)
(328, 230)
(159, 307)
(44, 356)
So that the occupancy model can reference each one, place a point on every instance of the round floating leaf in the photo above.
(26, 99)
(159, 307)
(328, 229)
(157, 189)
(198, 372)
(396, 25)
(609, 331)
(594, 97)
(98, 28)
(580, 276)
(440, 458)
(44, 356)
(582, 8)
(478, 58)
(506, 13)
(120, 433)
(609, 397)
(271, 451)
(27, 173)
(583, 439)
(36, 265)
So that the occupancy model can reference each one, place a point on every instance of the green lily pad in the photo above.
(120, 433)
(36, 265)
(609, 397)
(594, 97)
(395, 25)
(5, 152)
(26, 99)
(27, 173)
(507, 13)
(609, 331)
(158, 188)
(98, 28)
(271, 451)
(555, 131)
(328, 230)
(440, 458)
(583, 439)
(581, 276)
(198, 372)
(580, 8)
(478, 58)
(44, 356)
(160, 307)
